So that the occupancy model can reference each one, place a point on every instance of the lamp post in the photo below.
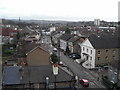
(47, 83)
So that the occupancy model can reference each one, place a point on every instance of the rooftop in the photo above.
(105, 42)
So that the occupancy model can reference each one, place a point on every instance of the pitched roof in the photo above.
(38, 74)
(32, 46)
(105, 42)
(65, 37)
(73, 39)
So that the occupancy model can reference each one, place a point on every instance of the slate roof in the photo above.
(73, 39)
(11, 75)
(34, 74)
(65, 37)
(33, 45)
(105, 43)
(37, 74)
(29, 47)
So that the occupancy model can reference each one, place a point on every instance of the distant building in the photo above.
(52, 29)
(97, 22)
(64, 41)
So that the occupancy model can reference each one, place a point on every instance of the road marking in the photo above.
(88, 74)
(91, 83)
(94, 80)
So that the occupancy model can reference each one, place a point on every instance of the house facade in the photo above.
(37, 57)
(55, 38)
(105, 56)
(64, 41)
(73, 44)
(88, 54)
(99, 51)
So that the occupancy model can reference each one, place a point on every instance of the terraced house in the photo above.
(99, 51)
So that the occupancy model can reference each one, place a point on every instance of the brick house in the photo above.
(37, 55)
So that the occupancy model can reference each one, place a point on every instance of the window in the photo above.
(98, 52)
(87, 50)
(83, 48)
(106, 57)
(98, 58)
(90, 58)
(106, 51)
(113, 57)
(113, 52)
(91, 51)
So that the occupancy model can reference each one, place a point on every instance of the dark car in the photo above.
(74, 56)
(84, 82)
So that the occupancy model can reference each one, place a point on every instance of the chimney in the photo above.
(37, 43)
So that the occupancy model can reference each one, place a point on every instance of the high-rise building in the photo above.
(97, 22)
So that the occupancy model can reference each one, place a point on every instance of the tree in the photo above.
(18, 36)
(67, 31)
(54, 58)
(67, 50)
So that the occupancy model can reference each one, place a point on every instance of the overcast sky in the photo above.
(78, 10)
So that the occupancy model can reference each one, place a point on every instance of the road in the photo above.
(81, 72)
(74, 67)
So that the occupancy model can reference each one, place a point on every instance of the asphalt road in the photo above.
(81, 72)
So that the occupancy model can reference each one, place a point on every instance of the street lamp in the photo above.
(47, 83)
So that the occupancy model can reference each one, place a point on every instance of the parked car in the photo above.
(74, 56)
(60, 63)
(84, 82)
(55, 49)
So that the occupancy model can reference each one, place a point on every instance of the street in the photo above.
(81, 72)
(74, 67)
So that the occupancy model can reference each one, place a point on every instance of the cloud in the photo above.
(102, 9)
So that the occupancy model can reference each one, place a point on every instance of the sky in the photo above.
(70, 10)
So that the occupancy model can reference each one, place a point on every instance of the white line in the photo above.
(88, 74)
